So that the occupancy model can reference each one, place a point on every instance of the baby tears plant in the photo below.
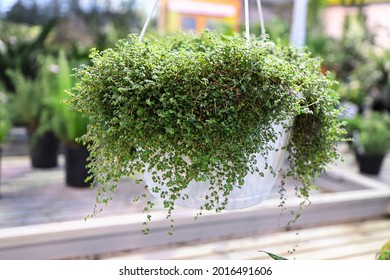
(199, 107)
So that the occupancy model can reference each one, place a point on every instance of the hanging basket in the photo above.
(189, 110)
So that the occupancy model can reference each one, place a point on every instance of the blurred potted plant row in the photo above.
(37, 104)
(365, 89)
(38, 49)
(32, 97)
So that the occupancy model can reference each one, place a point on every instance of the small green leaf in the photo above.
(273, 256)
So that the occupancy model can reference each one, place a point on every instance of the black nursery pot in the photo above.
(44, 151)
(370, 164)
(76, 171)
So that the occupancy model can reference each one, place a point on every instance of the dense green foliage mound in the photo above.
(198, 107)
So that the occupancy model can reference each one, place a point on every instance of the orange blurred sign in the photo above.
(199, 14)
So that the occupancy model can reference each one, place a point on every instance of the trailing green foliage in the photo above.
(199, 107)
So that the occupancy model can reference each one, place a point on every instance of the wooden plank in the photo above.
(31, 199)
(356, 180)
(344, 251)
(309, 241)
(104, 235)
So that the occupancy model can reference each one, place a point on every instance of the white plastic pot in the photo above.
(255, 189)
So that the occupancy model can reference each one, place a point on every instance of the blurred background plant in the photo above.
(30, 29)
(371, 139)
(20, 46)
(5, 122)
(373, 78)
(372, 133)
(28, 108)
(66, 124)
(33, 32)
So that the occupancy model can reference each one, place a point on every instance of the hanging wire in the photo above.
(261, 18)
(247, 22)
(247, 27)
(141, 36)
